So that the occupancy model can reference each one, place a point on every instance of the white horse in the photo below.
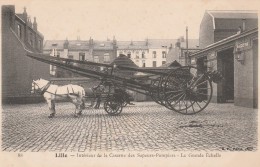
(53, 93)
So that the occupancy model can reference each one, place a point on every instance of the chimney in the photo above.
(243, 25)
(178, 43)
(34, 24)
(90, 41)
(114, 40)
(29, 21)
(8, 16)
(187, 40)
(66, 44)
(146, 42)
(25, 14)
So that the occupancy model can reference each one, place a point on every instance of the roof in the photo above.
(132, 45)
(73, 44)
(103, 45)
(192, 43)
(233, 14)
(226, 41)
(154, 44)
(172, 64)
(159, 43)
(78, 45)
(49, 44)
(122, 60)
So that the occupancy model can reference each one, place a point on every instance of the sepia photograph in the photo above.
(129, 83)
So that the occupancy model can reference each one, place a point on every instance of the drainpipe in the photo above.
(187, 46)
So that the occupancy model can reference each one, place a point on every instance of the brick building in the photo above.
(230, 45)
(18, 70)
(217, 25)
(147, 53)
(179, 52)
(84, 50)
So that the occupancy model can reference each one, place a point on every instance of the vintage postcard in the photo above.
(129, 83)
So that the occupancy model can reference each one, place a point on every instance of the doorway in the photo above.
(226, 66)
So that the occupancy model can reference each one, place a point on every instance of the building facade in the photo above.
(18, 70)
(217, 25)
(83, 50)
(236, 56)
(180, 52)
(147, 53)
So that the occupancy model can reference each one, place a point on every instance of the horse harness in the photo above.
(45, 88)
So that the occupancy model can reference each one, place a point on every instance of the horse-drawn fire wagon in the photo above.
(182, 89)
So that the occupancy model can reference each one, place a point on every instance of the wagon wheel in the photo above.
(156, 91)
(186, 91)
(124, 104)
(113, 106)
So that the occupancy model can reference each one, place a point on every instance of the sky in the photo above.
(124, 19)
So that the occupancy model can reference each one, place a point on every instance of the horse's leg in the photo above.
(98, 102)
(92, 102)
(77, 102)
(83, 105)
(51, 105)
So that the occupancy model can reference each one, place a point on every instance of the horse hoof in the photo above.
(76, 115)
(51, 116)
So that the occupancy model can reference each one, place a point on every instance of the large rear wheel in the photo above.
(186, 91)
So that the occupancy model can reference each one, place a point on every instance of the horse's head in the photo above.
(38, 84)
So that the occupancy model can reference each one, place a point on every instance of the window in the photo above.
(96, 59)
(129, 55)
(39, 44)
(70, 56)
(163, 54)
(31, 39)
(143, 55)
(137, 54)
(19, 31)
(58, 55)
(154, 54)
(55, 53)
(106, 58)
(82, 56)
(154, 63)
(163, 62)
(143, 62)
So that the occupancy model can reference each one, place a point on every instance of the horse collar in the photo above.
(45, 88)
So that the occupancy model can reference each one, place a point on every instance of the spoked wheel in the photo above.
(186, 91)
(113, 106)
(156, 91)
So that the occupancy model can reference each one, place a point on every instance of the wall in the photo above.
(18, 70)
(206, 35)
(244, 79)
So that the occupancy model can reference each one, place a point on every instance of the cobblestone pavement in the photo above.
(145, 126)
